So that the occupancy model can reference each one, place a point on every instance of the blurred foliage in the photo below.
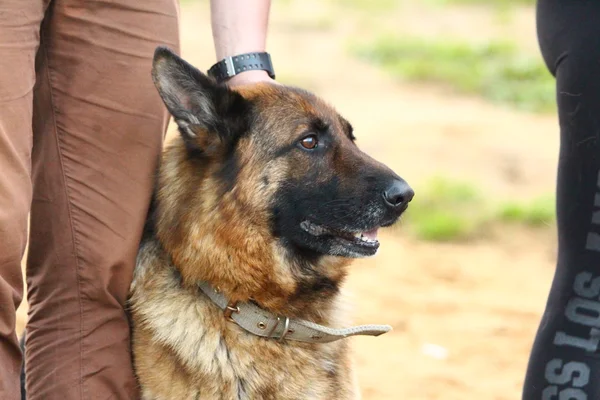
(445, 210)
(495, 70)
(539, 212)
(448, 210)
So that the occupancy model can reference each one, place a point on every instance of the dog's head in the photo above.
(266, 173)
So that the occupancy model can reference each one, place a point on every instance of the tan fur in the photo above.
(185, 349)
(183, 346)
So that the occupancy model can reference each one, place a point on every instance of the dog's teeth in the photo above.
(364, 238)
(361, 236)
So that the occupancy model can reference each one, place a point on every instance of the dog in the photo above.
(261, 203)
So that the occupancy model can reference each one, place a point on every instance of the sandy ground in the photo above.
(464, 315)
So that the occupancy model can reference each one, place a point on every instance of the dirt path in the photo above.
(480, 302)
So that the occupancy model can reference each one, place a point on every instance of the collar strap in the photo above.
(263, 323)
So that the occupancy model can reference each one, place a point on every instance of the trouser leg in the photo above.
(98, 128)
(19, 39)
(565, 360)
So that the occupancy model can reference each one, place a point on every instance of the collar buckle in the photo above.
(230, 309)
(284, 333)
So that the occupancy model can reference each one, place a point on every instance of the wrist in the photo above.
(248, 77)
(239, 26)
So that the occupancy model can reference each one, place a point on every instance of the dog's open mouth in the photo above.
(364, 239)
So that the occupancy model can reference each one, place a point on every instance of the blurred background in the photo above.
(453, 95)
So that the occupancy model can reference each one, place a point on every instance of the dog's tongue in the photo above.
(371, 235)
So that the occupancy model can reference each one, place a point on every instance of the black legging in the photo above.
(565, 360)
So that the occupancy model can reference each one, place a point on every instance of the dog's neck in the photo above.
(300, 290)
(222, 240)
(314, 295)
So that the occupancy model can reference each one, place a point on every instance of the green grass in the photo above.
(539, 212)
(448, 211)
(445, 210)
(496, 71)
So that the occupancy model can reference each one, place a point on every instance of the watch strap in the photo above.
(231, 66)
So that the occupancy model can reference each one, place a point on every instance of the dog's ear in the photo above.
(201, 108)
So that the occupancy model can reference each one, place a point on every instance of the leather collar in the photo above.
(259, 322)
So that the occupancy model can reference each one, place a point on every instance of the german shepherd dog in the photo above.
(261, 203)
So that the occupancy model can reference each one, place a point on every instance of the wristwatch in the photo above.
(231, 66)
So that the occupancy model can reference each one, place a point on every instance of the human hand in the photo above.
(250, 77)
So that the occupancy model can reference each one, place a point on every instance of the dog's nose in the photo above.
(398, 194)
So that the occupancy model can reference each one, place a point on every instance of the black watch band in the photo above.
(231, 66)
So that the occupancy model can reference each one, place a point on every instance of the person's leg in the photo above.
(98, 128)
(565, 359)
(19, 39)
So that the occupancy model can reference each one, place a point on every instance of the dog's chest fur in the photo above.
(185, 348)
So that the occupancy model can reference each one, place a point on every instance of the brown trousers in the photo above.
(81, 128)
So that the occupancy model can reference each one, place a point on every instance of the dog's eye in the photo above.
(310, 142)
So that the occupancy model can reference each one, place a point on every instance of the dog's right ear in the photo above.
(202, 109)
